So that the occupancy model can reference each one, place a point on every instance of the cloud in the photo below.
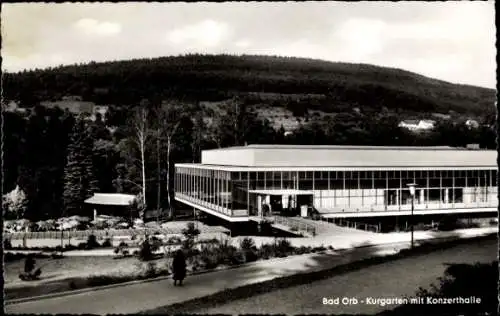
(208, 33)
(94, 27)
(244, 43)
(361, 37)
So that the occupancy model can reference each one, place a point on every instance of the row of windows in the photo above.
(218, 174)
(396, 174)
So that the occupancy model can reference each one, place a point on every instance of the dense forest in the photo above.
(218, 77)
(155, 120)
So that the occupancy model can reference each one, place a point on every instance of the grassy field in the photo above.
(68, 267)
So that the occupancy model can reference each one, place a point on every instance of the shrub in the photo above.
(7, 244)
(213, 241)
(107, 243)
(174, 240)
(190, 232)
(209, 257)
(247, 243)
(121, 249)
(151, 270)
(283, 248)
(155, 243)
(266, 251)
(92, 242)
(187, 244)
(302, 250)
(70, 247)
(250, 256)
(145, 252)
(82, 245)
(226, 252)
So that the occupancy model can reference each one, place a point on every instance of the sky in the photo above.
(452, 41)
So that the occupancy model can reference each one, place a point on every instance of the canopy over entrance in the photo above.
(282, 192)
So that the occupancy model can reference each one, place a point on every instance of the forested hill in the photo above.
(317, 84)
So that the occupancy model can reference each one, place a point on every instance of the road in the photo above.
(391, 279)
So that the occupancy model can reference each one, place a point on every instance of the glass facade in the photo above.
(242, 193)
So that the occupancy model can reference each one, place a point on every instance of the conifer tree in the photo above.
(79, 176)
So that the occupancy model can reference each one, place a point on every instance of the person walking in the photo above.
(179, 267)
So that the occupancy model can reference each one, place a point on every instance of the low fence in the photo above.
(295, 225)
(84, 234)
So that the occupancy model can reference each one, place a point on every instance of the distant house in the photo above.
(13, 106)
(73, 106)
(76, 106)
(417, 125)
(99, 109)
(471, 124)
(442, 116)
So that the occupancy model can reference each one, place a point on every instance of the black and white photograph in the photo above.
(231, 158)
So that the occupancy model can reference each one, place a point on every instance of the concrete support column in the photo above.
(421, 197)
(259, 205)
(446, 196)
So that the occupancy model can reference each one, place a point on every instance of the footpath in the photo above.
(140, 296)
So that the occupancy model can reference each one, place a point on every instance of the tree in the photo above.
(15, 203)
(73, 172)
(198, 132)
(169, 117)
(79, 176)
(139, 124)
(91, 185)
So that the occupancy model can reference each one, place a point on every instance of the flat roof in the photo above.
(336, 147)
(116, 199)
(348, 156)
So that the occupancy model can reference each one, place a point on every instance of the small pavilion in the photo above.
(116, 204)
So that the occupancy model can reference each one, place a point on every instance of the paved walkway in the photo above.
(137, 297)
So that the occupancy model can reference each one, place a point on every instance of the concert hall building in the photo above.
(239, 184)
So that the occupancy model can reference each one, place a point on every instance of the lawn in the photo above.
(68, 267)
(71, 273)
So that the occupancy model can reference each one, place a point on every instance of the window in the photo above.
(286, 175)
(317, 175)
